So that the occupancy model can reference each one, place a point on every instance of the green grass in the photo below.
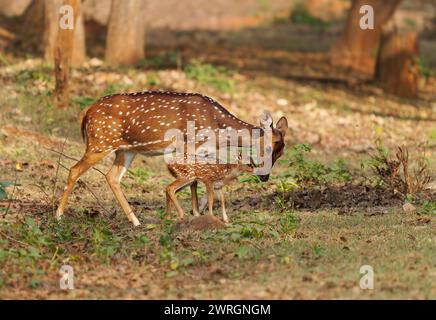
(300, 15)
(304, 170)
(428, 208)
(217, 77)
(167, 60)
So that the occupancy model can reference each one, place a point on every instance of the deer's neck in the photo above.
(224, 120)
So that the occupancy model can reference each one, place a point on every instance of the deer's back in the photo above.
(140, 120)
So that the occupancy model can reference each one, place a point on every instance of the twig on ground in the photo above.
(43, 191)
(71, 158)
(56, 175)
(14, 240)
(12, 195)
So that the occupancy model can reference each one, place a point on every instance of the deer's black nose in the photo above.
(264, 178)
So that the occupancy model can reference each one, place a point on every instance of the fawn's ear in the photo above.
(266, 120)
(282, 125)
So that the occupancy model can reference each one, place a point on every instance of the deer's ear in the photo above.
(282, 125)
(266, 120)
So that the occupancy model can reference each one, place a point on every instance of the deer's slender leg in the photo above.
(204, 201)
(210, 196)
(121, 164)
(223, 205)
(87, 161)
(168, 203)
(171, 190)
(194, 197)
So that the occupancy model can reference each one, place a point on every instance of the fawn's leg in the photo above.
(210, 195)
(87, 161)
(223, 205)
(122, 162)
(168, 203)
(171, 195)
(204, 201)
(194, 197)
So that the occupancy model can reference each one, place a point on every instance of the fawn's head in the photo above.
(277, 139)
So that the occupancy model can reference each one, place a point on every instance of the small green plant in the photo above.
(300, 15)
(308, 171)
(423, 68)
(428, 208)
(218, 77)
(200, 256)
(140, 174)
(167, 230)
(152, 79)
(246, 178)
(3, 186)
(169, 59)
(282, 199)
(83, 101)
(26, 76)
(288, 223)
(242, 252)
(105, 243)
(251, 232)
(317, 250)
(114, 88)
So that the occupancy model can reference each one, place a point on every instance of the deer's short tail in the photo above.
(83, 123)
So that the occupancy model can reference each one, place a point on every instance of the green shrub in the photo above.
(300, 15)
(308, 171)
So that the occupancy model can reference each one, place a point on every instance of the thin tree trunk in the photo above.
(41, 25)
(397, 70)
(357, 48)
(126, 32)
(63, 56)
(33, 26)
(51, 26)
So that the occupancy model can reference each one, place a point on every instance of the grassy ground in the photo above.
(279, 244)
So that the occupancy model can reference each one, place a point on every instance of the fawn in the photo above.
(136, 123)
(214, 176)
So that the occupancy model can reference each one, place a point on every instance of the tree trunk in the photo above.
(41, 25)
(51, 26)
(126, 32)
(33, 26)
(396, 69)
(357, 48)
(13, 8)
(63, 56)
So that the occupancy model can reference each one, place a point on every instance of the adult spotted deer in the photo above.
(128, 124)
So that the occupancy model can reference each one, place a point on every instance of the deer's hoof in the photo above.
(58, 215)
(135, 222)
